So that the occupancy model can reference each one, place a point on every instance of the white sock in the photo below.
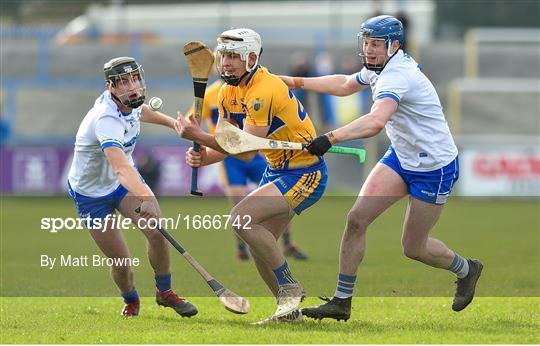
(460, 266)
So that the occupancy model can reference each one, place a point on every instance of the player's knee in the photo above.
(236, 214)
(244, 216)
(120, 266)
(412, 250)
(356, 222)
(155, 238)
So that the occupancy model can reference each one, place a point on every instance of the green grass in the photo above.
(399, 300)
(375, 320)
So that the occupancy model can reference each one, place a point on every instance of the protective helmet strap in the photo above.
(249, 69)
(234, 81)
(389, 48)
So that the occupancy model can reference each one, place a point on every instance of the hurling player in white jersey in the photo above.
(103, 179)
(421, 162)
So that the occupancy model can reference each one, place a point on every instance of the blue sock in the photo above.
(283, 274)
(345, 286)
(163, 282)
(241, 246)
(131, 297)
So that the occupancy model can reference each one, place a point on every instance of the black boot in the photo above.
(336, 308)
(466, 286)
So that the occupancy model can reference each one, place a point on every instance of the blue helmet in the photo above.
(385, 28)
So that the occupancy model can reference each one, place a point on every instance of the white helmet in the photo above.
(242, 42)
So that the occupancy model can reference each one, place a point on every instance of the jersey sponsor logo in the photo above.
(428, 193)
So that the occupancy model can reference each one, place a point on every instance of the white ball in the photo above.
(155, 103)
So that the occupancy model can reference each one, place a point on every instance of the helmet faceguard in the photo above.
(126, 75)
(384, 28)
(237, 41)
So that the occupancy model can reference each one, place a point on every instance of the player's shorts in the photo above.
(97, 207)
(238, 172)
(433, 186)
(301, 187)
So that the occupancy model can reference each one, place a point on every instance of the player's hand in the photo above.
(196, 159)
(148, 209)
(319, 146)
(293, 82)
(187, 127)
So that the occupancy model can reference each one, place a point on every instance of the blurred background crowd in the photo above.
(482, 56)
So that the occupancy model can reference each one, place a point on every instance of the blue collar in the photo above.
(252, 74)
(125, 114)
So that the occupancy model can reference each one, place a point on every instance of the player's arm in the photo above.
(207, 156)
(148, 115)
(109, 131)
(130, 179)
(188, 128)
(364, 127)
(336, 84)
(368, 125)
(126, 173)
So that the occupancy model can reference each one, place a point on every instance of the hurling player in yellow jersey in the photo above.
(237, 174)
(261, 104)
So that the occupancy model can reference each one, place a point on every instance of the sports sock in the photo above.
(163, 282)
(345, 286)
(286, 239)
(283, 274)
(131, 297)
(241, 246)
(459, 266)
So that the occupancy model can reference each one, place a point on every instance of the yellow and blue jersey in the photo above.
(265, 100)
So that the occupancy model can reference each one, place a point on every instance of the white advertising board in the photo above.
(503, 171)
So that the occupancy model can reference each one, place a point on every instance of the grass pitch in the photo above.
(399, 300)
(375, 320)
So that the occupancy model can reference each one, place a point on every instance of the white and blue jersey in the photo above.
(422, 144)
(92, 182)
(418, 129)
(103, 126)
